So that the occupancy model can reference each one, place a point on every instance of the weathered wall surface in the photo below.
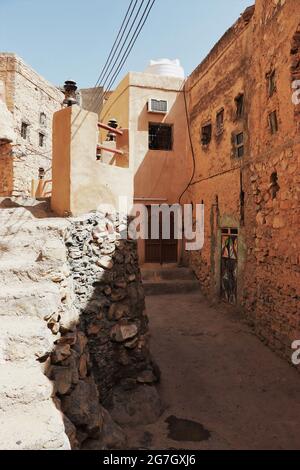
(28, 96)
(217, 183)
(80, 182)
(111, 302)
(272, 215)
(6, 170)
(257, 194)
(104, 355)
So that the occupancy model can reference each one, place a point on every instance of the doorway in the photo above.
(229, 265)
(159, 250)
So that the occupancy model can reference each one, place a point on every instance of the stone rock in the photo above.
(53, 250)
(62, 377)
(118, 295)
(71, 433)
(123, 332)
(105, 262)
(278, 222)
(82, 407)
(132, 344)
(147, 377)
(60, 353)
(118, 311)
(82, 369)
(141, 405)
(81, 343)
(112, 436)
(94, 329)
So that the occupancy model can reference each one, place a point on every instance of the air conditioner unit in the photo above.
(157, 106)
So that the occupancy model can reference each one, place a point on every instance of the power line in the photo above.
(132, 43)
(115, 63)
(115, 46)
(143, 18)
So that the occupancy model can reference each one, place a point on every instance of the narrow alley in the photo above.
(217, 373)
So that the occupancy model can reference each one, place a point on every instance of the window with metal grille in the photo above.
(220, 121)
(239, 103)
(24, 130)
(206, 132)
(239, 145)
(158, 106)
(160, 136)
(273, 122)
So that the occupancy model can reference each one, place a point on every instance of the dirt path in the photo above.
(216, 373)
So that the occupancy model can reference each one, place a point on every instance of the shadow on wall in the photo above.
(102, 358)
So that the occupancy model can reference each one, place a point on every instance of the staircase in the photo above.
(166, 280)
(31, 251)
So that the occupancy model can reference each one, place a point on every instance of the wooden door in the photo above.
(161, 251)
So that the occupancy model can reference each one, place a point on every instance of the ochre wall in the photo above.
(268, 271)
(80, 182)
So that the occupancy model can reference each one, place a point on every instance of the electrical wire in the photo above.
(191, 143)
(132, 43)
(111, 70)
(115, 46)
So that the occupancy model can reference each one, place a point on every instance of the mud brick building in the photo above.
(245, 133)
(31, 101)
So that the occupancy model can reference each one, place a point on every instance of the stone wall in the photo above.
(111, 302)
(32, 100)
(257, 194)
(101, 354)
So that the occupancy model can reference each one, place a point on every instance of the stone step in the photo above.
(33, 427)
(22, 384)
(184, 274)
(18, 267)
(29, 299)
(24, 339)
(170, 287)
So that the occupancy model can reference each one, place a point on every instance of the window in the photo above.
(43, 119)
(274, 186)
(160, 137)
(220, 121)
(24, 130)
(271, 77)
(273, 122)
(206, 132)
(41, 139)
(239, 145)
(239, 103)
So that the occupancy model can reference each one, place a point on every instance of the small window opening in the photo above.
(206, 132)
(41, 139)
(220, 121)
(271, 77)
(239, 103)
(273, 122)
(274, 186)
(24, 130)
(239, 144)
(160, 137)
(43, 119)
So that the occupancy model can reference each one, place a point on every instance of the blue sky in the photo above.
(64, 39)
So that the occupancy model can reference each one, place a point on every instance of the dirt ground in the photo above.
(216, 373)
